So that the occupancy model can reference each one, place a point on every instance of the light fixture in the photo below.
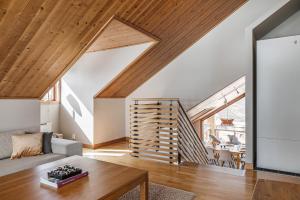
(226, 121)
(225, 100)
(237, 91)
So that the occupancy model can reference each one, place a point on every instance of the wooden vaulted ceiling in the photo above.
(41, 39)
(118, 34)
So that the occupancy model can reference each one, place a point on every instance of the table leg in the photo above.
(144, 189)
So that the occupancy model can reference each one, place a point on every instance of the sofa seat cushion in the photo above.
(8, 166)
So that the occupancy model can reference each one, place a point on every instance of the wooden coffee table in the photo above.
(105, 181)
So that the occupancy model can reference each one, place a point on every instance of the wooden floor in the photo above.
(207, 182)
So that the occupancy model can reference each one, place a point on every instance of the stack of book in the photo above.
(61, 176)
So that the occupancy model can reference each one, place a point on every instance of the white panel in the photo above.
(19, 114)
(109, 119)
(278, 154)
(278, 108)
(50, 113)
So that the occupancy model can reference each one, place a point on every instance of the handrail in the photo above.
(191, 124)
(155, 99)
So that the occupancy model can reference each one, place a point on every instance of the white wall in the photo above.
(109, 119)
(87, 77)
(50, 113)
(19, 114)
(216, 60)
(289, 27)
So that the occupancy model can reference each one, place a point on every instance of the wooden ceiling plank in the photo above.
(4, 6)
(164, 10)
(146, 6)
(22, 84)
(152, 71)
(22, 44)
(179, 9)
(140, 21)
(41, 43)
(206, 18)
(55, 48)
(101, 21)
(66, 69)
(17, 27)
(149, 72)
(140, 78)
(127, 78)
(51, 41)
(137, 9)
(128, 8)
(192, 33)
(163, 43)
(16, 47)
(126, 81)
(13, 25)
(118, 34)
(72, 60)
(183, 10)
(177, 23)
(12, 9)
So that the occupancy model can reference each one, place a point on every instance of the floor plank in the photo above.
(207, 182)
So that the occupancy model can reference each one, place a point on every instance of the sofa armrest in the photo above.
(66, 147)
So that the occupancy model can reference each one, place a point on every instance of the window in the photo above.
(53, 94)
(227, 132)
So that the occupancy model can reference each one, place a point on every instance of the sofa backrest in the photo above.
(6, 143)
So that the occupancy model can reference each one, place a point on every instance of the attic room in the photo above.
(158, 100)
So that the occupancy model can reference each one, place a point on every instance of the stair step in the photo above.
(226, 170)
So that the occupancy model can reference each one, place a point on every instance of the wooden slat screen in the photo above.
(160, 130)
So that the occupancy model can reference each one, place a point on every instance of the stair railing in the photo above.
(161, 130)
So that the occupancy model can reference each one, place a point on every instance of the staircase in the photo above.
(161, 130)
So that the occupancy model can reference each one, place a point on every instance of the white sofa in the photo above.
(61, 148)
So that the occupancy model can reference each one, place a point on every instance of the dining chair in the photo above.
(214, 140)
(211, 156)
(243, 161)
(234, 140)
(225, 159)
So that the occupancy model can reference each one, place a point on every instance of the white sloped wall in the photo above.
(79, 85)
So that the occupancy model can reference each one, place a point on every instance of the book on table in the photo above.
(61, 176)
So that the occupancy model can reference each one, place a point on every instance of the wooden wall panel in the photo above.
(41, 39)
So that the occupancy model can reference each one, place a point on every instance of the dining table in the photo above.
(237, 152)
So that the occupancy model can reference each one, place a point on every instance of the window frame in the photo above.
(56, 94)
